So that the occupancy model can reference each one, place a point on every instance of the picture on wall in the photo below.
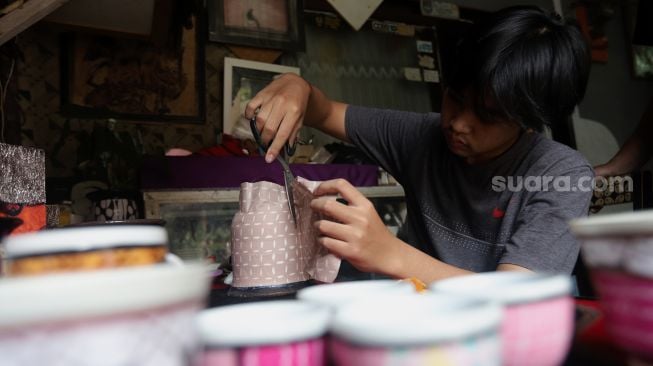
(274, 24)
(243, 79)
(106, 77)
(640, 36)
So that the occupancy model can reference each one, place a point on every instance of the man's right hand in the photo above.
(604, 170)
(280, 109)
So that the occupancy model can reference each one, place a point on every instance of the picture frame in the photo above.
(243, 79)
(639, 38)
(134, 80)
(276, 24)
(144, 19)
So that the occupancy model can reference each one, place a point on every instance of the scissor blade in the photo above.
(288, 179)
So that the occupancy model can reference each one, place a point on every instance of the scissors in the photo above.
(288, 177)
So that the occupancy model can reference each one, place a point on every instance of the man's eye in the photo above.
(493, 115)
(457, 98)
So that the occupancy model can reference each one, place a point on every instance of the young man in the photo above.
(521, 70)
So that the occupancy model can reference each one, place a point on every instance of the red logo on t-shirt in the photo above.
(498, 213)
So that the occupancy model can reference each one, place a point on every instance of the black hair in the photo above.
(532, 65)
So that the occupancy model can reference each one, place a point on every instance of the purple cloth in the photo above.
(184, 172)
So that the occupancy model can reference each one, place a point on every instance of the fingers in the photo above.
(337, 247)
(282, 136)
(295, 132)
(267, 121)
(334, 236)
(334, 230)
(279, 111)
(602, 170)
(344, 189)
(330, 207)
(254, 104)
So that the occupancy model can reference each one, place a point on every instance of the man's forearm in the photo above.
(638, 148)
(636, 151)
(632, 155)
(411, 262)
(326, 115)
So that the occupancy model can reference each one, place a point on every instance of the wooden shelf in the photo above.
(155, 198)
(22, 18)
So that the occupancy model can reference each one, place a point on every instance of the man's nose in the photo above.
(460, 125)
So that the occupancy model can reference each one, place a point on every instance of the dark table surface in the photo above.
(221, 294)
(591, 346)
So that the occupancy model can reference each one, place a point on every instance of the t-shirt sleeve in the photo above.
(542, 240)
(393, 139)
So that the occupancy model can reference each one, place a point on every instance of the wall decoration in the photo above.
(106, 77)
(242, 80)
(37, 75)
(357, 12)
(439, 9)
(640, 36)
(356, 68)
(431, 76)
(400, 29)
(260, 23)
(255, 54)
(324, 20)
(144, 19)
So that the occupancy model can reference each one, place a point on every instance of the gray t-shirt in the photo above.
(456, 211)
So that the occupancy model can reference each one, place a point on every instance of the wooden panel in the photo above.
(124, 17)
(22, 18)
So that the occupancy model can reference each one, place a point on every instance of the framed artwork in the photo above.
(243, 79)
(640, 36)
(144, 19)
(106, 77)
(259, 23)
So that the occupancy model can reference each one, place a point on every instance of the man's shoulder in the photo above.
(356, 112)
(547, 154)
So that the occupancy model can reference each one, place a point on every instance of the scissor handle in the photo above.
(257, 136)
(290, 150)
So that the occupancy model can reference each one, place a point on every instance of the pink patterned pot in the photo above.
(618, 249)
(627, 301)
(271, 333)
(538, 323)
(268, 250)
(136, 316)
(416, 330)
(305, 353)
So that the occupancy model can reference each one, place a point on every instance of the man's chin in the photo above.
(459, 149)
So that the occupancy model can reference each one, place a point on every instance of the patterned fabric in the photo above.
(538, 333)
(621, 191)
(52, 216)
(23, 175)
(22, 186)
(33, 216)
(483, 350)
(309, 353)
(627, 299)
(115, 209)
(267, 249)
(162, 338)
